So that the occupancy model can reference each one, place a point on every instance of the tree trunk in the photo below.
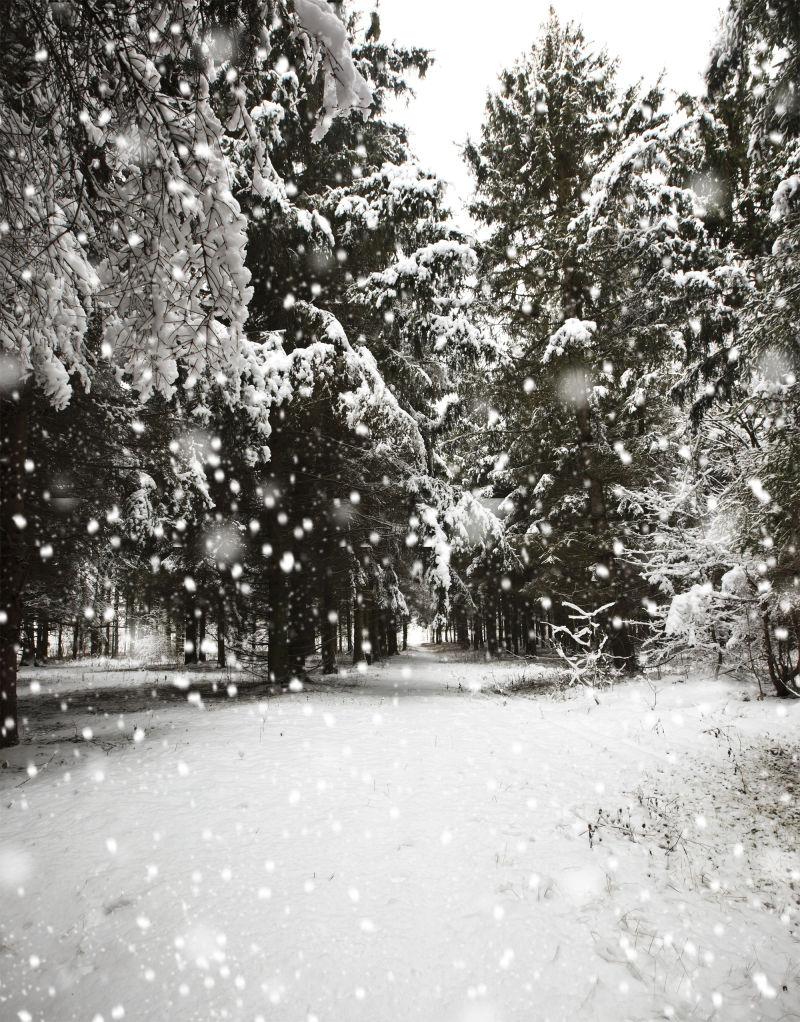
(783, 678)
(382, 629)
(42, 637)
(201, 636)
(221, 626)
(597, 500)
(127, 631)
(372, 630)
(115, 640)
(515, 648)
(491, 631)
(277, 626)
(14, 422)
(300, 625)
(28, 655)
(328, 625)
(180, 635)
(358, 630)
(621, 647)
(405, 634)
(190, 637)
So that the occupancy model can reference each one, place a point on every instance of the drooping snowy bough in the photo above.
(120, 237)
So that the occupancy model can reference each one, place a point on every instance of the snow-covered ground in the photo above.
(402, 844)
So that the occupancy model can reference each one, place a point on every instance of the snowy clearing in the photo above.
(402, 844)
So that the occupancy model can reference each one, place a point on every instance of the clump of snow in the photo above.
(786, 192)
(688, 612)
(574, 335)
(328, 47)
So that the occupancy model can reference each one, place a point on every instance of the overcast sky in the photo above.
(473, 41)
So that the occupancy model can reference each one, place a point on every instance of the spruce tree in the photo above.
(565, 267)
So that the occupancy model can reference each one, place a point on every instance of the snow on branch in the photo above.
(328, 47)
(573, 336)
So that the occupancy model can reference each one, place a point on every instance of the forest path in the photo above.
(436, 669)
(403, 845)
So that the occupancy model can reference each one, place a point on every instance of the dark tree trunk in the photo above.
(621, 647)
(277, 628)
(508, 625)
(190, 637)
(491, 631)
(28, 643)
(221, 628)
(382, 625)
(128, 624)
(201, 636)
(405, 634)
(328, 625)
(515, 647)
(115, 641)
(42, 637)
(8, 688)
(620, 643)
(14, 421)
(180, 635)
(300, 625)
(391, 636)
(531, 635)
(784, 676)
(358, 630)
(372, 628)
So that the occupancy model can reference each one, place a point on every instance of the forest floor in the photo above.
(427, 840)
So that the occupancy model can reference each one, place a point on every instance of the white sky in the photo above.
(473, 40)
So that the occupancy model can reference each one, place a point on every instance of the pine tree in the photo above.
(579, 236)
(726, 545)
